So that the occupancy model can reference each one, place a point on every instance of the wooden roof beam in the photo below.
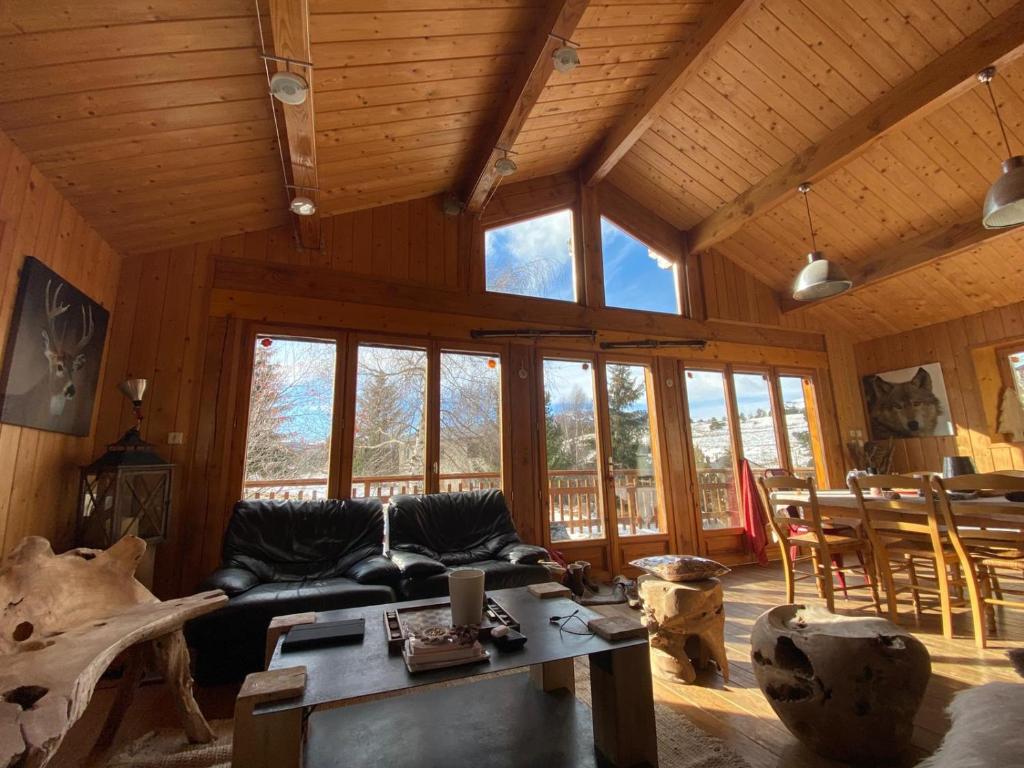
(910, 255)
(941, 81)
(723, 17)
(558, 23)
(289, 24)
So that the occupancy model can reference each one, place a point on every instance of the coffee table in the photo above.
(356, 705)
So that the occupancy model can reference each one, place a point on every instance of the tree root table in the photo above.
(686, 622)
(341, 705)
(64, 619)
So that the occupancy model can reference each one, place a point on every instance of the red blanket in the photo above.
(753, 514)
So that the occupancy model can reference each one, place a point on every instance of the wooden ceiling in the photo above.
(153, 119)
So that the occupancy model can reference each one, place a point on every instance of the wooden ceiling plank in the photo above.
(289, 22)
(945, 78)
(910, 255)
(559, 21)
(694, 53)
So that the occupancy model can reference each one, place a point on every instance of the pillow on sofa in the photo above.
(680, 567)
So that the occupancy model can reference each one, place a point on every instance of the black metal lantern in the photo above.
(127, 490)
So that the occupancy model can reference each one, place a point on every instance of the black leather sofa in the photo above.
(282, 557)
(428, 535)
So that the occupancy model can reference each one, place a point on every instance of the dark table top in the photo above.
(365, 670)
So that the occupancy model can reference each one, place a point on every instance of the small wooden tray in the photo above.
(399, 623)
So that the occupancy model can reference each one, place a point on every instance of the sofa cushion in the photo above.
(454, 528)
(498, 574)
(300, 540)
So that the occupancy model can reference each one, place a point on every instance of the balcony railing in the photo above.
(572, 496)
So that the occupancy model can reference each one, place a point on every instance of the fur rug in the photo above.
(987, 730)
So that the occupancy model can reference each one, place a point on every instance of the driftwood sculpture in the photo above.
(63, 620)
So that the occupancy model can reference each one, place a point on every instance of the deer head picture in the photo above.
(52, 385)
(65, 356)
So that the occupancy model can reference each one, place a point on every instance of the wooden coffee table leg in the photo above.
(272, 740)
(623, 706)
(554, 675)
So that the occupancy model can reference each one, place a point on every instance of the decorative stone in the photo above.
(686, 623)
(848, 687)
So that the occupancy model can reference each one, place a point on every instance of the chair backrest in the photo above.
(988, 521)
(912, 517)
(805, 499)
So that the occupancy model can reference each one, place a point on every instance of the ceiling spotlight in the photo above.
(1004, 203)
(289, 88)
(451, 206)
(820, 278)
(505, 166)
(303, 206)
(566, 59)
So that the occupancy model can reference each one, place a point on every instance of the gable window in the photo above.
(635, 275)
(533, 257)
(291, 410)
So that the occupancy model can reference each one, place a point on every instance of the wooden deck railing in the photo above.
(572, 495)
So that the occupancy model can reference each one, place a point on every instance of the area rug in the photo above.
(681, 744)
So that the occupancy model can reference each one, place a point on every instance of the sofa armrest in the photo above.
(414, 565)
(376, 569)
(233, 581)
(523, 554)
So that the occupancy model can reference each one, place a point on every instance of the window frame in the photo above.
(1003, 353)
(818, 441)
(678, 271)
(432, 405)
(239, 446)
(577, 251)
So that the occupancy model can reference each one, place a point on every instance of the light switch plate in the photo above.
(175, 438)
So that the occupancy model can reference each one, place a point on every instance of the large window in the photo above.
(712, 448)
(533, 257)
(766, 417)
(570, 430)
(389, 450)
(470, 421)
(635, 275)
(1013, 360)
(634, 465)
(799, 409)
(291, 409)
(756, 421)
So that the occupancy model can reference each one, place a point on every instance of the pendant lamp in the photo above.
(1004, 203)
(820, 278)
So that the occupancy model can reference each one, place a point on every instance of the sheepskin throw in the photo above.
(987, 730)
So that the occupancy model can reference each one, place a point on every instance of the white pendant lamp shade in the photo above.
(566, 59)
(820, 279)
(1004, 203)
(505, 166)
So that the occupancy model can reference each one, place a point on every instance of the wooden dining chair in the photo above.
(987, 534)
(912, 554)
(823, 545)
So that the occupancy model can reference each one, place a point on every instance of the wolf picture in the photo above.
(905, 408)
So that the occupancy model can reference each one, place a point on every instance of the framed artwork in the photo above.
(909, 402)
(51, 364)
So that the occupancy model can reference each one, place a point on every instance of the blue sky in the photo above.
(633, 277)
(532, 257)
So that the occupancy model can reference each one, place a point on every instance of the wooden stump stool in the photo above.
(686, 622)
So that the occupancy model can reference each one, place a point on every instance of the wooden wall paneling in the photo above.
(38, 470)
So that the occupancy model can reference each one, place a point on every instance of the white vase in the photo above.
(466, 587)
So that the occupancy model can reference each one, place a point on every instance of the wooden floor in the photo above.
(736, 713)
(739, 714)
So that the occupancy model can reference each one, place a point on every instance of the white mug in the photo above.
(466, 587)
